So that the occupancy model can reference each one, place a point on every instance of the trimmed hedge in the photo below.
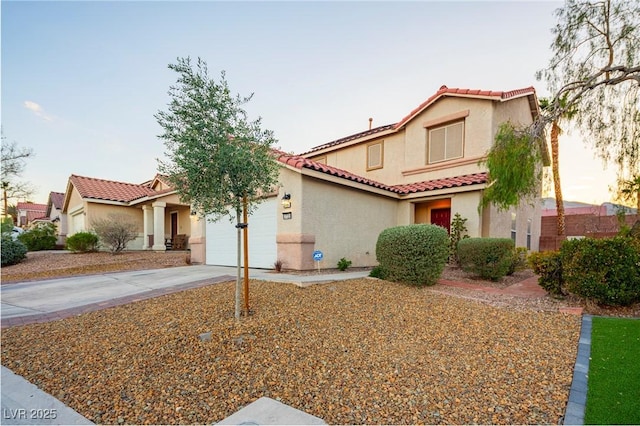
(82, 242)
(548, 266)
(605, 270)
(12, 251)
(490, 258)
(413, 254)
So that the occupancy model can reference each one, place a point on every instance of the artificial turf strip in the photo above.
(613, 396)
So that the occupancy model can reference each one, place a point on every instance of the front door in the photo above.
(441, 217)
(174, 224)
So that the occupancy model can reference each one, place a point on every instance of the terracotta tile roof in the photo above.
(442, 92)
(352, 137)
(300, 162)
(470, 93)
(33, 215)
(101, 189)
(453, 182)
(56, 199)
(32, 207)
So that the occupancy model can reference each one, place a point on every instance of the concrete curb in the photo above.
(25, 404)
(267, 411)
(574, 413)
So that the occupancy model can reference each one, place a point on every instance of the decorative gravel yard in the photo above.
(354, 352)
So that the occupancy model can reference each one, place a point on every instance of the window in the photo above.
(375, 155)
(513, 227)
(528, 234)
(445, 142)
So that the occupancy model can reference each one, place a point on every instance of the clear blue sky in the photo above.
(81, 81)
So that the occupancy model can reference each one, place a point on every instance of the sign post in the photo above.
(317, 256)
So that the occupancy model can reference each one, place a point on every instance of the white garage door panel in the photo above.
(222, 238)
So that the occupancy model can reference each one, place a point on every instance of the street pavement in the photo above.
(36, 301)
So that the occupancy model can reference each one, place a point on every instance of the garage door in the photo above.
(222, 238)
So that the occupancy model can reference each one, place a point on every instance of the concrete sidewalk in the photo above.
(50, 300)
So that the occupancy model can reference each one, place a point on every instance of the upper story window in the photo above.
(375, 155)
(445, 142)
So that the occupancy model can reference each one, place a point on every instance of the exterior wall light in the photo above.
(286, 201)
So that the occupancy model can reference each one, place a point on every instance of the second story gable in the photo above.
(445, 136)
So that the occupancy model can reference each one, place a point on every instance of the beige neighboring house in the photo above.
(29, 212)
(161, 218)
(338, 197)
(54, 215)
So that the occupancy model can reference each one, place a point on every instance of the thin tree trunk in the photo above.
(239, 250)
(245, 235)
(555, 167)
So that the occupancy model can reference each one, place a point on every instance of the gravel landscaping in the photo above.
(354, 352)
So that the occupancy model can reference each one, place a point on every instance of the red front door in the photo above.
(441, 217)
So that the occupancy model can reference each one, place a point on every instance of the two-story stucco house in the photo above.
(339, 196)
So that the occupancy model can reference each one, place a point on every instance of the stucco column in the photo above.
(158, 226)
(147, 218)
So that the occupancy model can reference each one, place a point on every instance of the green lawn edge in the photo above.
(613, 395)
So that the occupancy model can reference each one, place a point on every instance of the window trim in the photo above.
(444, 126)
(381, 165)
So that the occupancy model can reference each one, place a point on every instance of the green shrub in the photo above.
(41, 237)
(12, 251)
(82, 242)
(490, 258)
(548, 265)
(604, 270)
(518, 260)
(378, 272)
(6, 226)
(413, 254)
(343, 264)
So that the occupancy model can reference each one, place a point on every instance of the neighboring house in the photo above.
(55, 216)
(153, 205)
(339, 196)
(582, 220)
(577, 207)
(28, 212)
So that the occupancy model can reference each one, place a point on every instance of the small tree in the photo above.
(219, 161)
(13, 164)
(115, 231)
(458, 232)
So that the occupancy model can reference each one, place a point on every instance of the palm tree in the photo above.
(555, 158)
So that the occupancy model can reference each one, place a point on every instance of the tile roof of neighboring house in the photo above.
(442, 92)
(31, 207)
(30, 211)
(57, 199)
(33, 215)
(300, 162)
(101, 189)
